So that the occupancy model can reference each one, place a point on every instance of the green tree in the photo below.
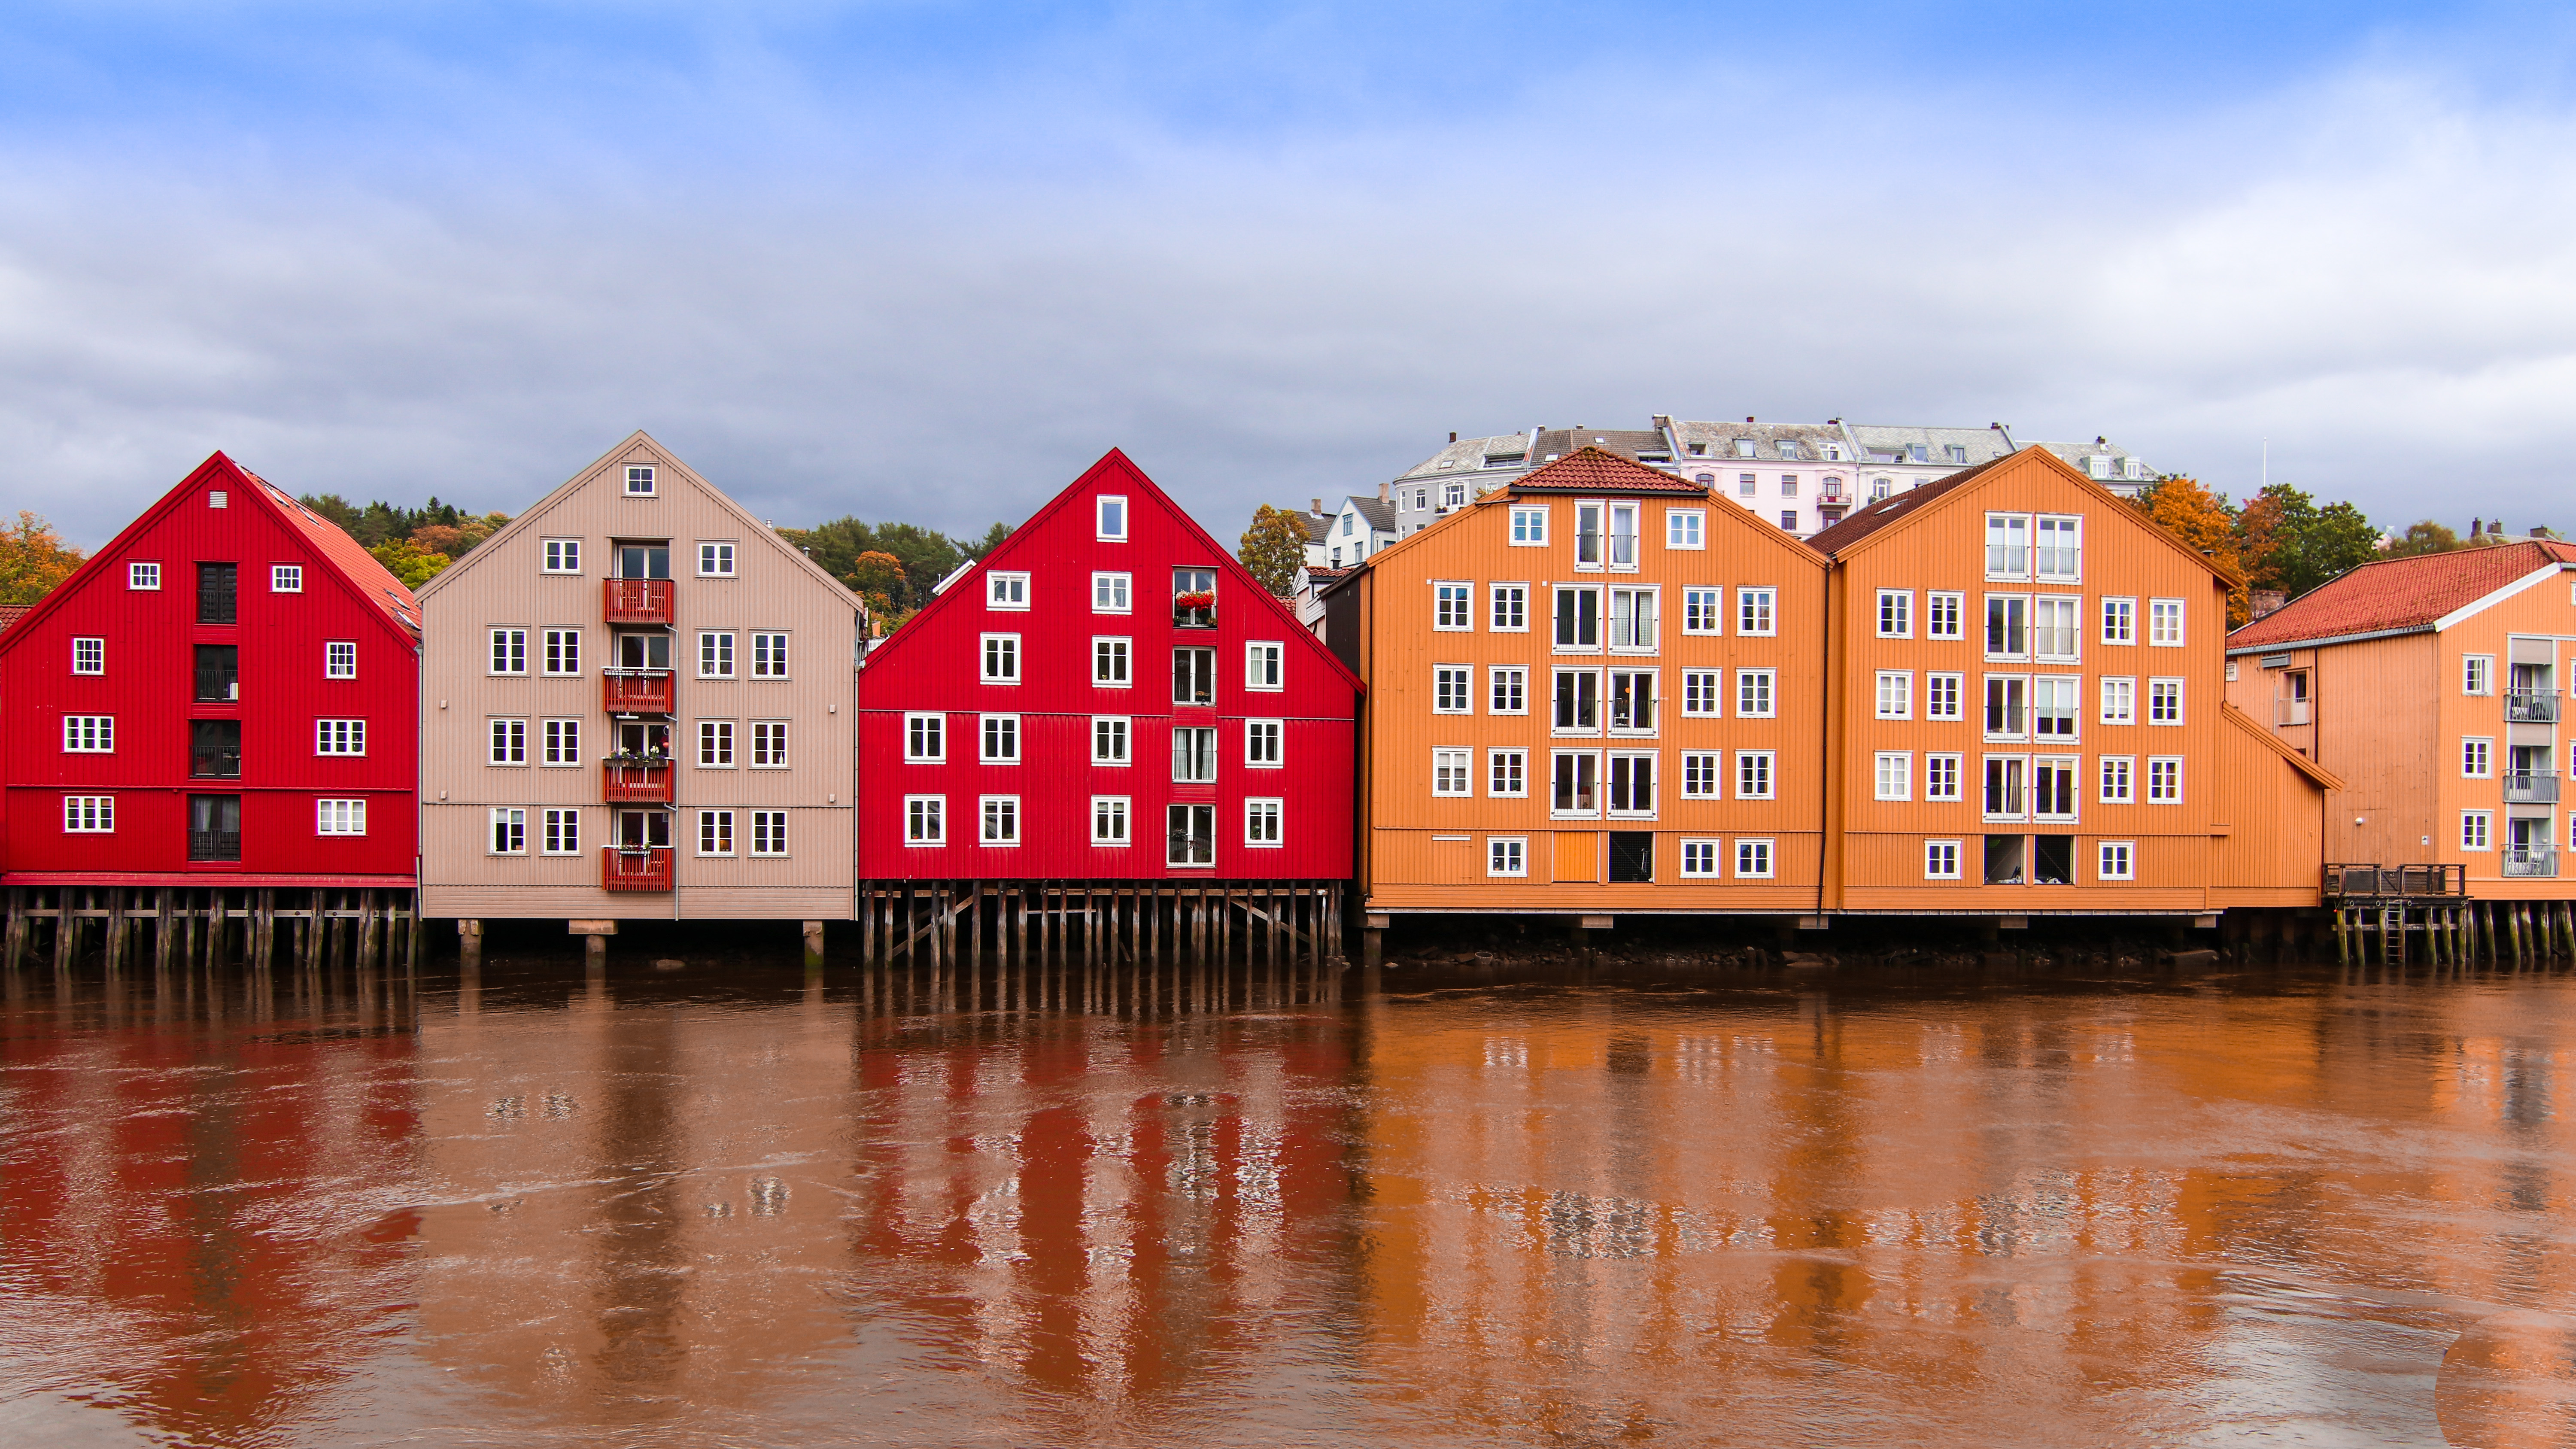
(410, 562)
(2339, 538)
(1274, 548)
(984, 546)
(33, 558)
(2423, 537)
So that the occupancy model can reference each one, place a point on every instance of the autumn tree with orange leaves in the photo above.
(33, 558)
(2205, 523)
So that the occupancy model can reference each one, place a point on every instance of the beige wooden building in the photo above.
(636, 702)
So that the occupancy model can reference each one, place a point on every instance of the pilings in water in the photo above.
(193, 927)
(2455, 932)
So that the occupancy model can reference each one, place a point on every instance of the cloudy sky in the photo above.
(925, 261)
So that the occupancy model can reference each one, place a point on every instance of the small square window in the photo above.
(1008, 591)
(89, 655)
(715, 560)
(1941, 859)
(1753, 860)
(639, 480)
(562, 555)
(340, 659)
(1261, 666)
(286, 578)
(1685, 528)
(1701, 859)
(1113, 593)
(1507, 856)
(2118, 860)
(1529, 526)
(145, 576)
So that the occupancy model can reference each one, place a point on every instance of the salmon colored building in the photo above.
(1598, 689)
(2433, 688)
(2030, 714)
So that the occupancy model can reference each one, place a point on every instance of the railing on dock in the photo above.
(2382, 911)
(2348, 881)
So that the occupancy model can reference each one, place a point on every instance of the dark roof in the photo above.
(1563, 443)
(2400, 595)
(1377, 512)
(1319, 527)
(1592, 470)
(1864, 522)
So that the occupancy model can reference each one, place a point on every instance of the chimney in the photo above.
(1318, 509)
(1453, 437)
(1663, 420)
(2267, 601)
(1748, 417)
(1386, 492)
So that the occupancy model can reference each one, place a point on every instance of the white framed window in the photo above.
(1449, 611)
(2119, 780)
(2164, 623)
(2477, 759)
(1507, 689)
(1578, 619)
(1753, 860)
(2060, 548)
(1109, 820)
(1001, 819)
(1701, 859)
(1757, 612)
(1529, 525)
(89, 814)
(2477, 674)
(1943, 696)
(343, 736)
(1008, 591)
(1789, 516)
(2119, 621)
(1896, 613)
(509, 651)
(715, 560)
(1574, 784)
(1685, 528)
(925, 738)
(1453, 689)
(1261, 822)
(1194, 755)
(1262, 739)
(1451, 772)
(1109, 739)
(1941, 777)
(89, 655)
(2164, 701)
(2052, 787)
(286, 579)
(2007, 626)
(1113, 593)
(1754, 779)
(509, 831)
(2054, 706)
(925, 820)
(2007, 787)
(1632, 785)
(1633, 622)
(1702, 775)
(1623, 536)
(1507, 856)
(2477, 830)
(560, 556)
(1509, 613)
(1746, 484)
(508, 739)
(1945, 616)
(1895, 694)
(1111, 664)
(1895, 775)
(769, 832)
(1001, 659)
(715, 832)
(1577, 702)
(561, 742)
(2055, 633)
(559, 831)
(715, 744)
(1941, 859)
(1507, 774)
(2164, 781)
(1453, 495)
(1262, 666)
(143, 576)
(2007, 706)
(639, 480)
(1754, 693)
(1109, 518)
(2116, 860)
(561, 651)
(769, 656)
(2007, 545)
(2119, 700)
(1703, 611)
(715, 654)
(1703, 693)
(1000, 734)
(340, 659)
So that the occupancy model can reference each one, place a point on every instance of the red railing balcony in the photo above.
(637, 691)
(634, 870)
(639, 601)
(631, 782)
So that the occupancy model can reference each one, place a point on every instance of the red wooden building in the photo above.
(1109, 697)
(227, 695)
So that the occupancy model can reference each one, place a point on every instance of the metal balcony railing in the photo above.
(638, 601)
(636, 691)
(2531, 787)
(2531, 860)
(2531, 706)
(646, 868)
(2289, 712)
(637, 782)
(214, 845)
(2345, 879)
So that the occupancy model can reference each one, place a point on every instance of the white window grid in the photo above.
(2119, 780)
(1507, 856)
(2119, 621)
(1194, 755)
(286, 578)
(1507, 610)
(2164, 780)
(769, 832)
(2477, 830)
(1895, 694)
(2164, 623)
(2116, 860)
(1001, 655)
(1450, 610)
(1703, 611)
(509, 831)
(1944, 696)
(1507, 774)
(768, 656)
(925, 738)
(1895, 774)
(1756, 776)
(2119, 700)
(1757, 612)
(1507, 689)
(1113, 592)
(2164, 701)
(1703, 693)
(1575, 631)
(2060, 548)
(1112, 662)
(715, 744)
(2056, 707)
(715, 832)
(1261, 822)
(1685, 528)
(1941, 777)
(1703, 775)
(339, 737)
(2477, 759)
(1263, 665)
(998, 739)
(1895, 614)
(2007, 545)
(1008, 590)
(1453, 689)
(145, 577)
(509, 651)
(2477, 674)
(1630, 787)
(89, 814)
(1756, 693)
(1109, 518)
(1634, 622)
(560, 556)
(1753, 860)
(1263, 743)
(1109, 819)
(1000, 819)
(560, 742)
(1945, 615)
(925, 820)
(1109, 739)
(1941, 859)
(715, 559)
(639, 480)
(715, 654)
(340, 659)
(1453, 772)
(89, 655)
(1633, 701)
(560, 652)
(2057, 629)
(1703, 859)
(508, 742)
(1529, 526)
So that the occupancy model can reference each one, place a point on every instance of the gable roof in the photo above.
(2325, 778)
(1860, 523)
(2399, 595)
(1377, 513)
(346, 554)
(1590, 469)
(1862, 527)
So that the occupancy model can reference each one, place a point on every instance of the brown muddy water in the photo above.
(726, 1206)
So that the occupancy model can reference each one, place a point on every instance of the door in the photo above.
(644, 739)
(644, 651)
(643, 560)
(214, 827)
(640, 830)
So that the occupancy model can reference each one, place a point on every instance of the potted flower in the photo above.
(1194, 601)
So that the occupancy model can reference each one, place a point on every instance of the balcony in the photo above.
(214, 845)
(2343, 880)
(2531, 787)
(2531, 706)
(645, 781)
(2540, 861)
(638, 601)
(2289, 712)
(644, 869)
(637, 691)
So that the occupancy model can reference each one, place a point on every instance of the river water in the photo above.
(727, 1206)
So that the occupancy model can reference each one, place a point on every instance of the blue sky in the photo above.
(926, 261)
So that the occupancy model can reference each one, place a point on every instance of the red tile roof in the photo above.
(2400, 595)
(1590, 470)
(12, 613)
(345, 553)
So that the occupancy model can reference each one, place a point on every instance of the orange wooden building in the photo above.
(1596, 690)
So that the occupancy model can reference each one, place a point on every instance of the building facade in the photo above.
(636, 703)
(225, 695)
(1597, 689)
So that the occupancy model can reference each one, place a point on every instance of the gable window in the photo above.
(1194, 598)
(1755, 611)
(1578, 618)
(218, 586)
(2007, 546)
(1702, 613)
(1112, 593)
(1109, 663)
(286, 579)
(639, 480)
(2164, 623)
(1006, 591)
(1529, 526)
(89, 656)
(1895, 614)
(1945, 616)
(1261, 665)
(925, 738)
(1261, 739)
(1109, 739)
(1001, 659)
(2477, 674)
(1510, 612)
(340, 659)
(561, 556)
(1109, 517)
(1449, 607)
(341, 736)
(1685, 528)
(925, 820)
(143, 576)
(715, 560)
(2060, 548)
(715, 654)
(1001, 735)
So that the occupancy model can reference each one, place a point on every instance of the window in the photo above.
(286, 579)
(2164, 701)
(340, 659)
(1509, 692)
(562, 651)
(2052, 789)
(2164, 781)
(1753, 778)
(1789, 516)
(1261, 822)
(2007, 706)
(1452, 495)
(639, 480)
(562, 742)
(2119, 783)
(1510, 612)
(2060, 548)
(1895, 774)
(1587, 535)
(1632, 619)
(1507, 855)
(715, 560)
(1700, 777)
(1753, 693)
(925, 738)
(1941, 777)
(2119, 621)
(1001, 737)
(1001, 817)
(2477, 674)
(715, 655)
(1578, 701)
(1685, 528)
(2053, 707)
(769, 656)
(1945, 616)
(89, 814)
(1701, 693)
(349, 736)
(1109, 516)
(562, 556)
(1529, 527)
(2477, 830)
(1632, 784)
(715, 832)
(1895, 694)
(1194, 755)
(1108, 739)
(925, 820)
(1574, 784)
(1578, 618)
(2117, 860)
(1895, 614)
(509, 651)
(214, 748)
(2164, 623)
(509, 831)
(2007, 793)
(1109, 819)
(1754, 611)
(1449, 607)
(1941, 859)
(217, 588)
(2477, 759)
(1261, 665)
(1450, 772)
(1507, 774)
(769, 832)
(1941, 696)
(2119, 700)
(1746, 484)
(1001, 659)
(1109, 663)
(1112, 593)
(1189, 835)
(2007, 626)
(2007, 546)
(715, 744)
(1700, 859)
(2054, 635)
(1623, 535)
(1451, 688)
(1261, 740)
(1193, 676)
(509, 742)
(89, 656)
(144, 576)
(1753, 860)
(1701, 611)
(1632, 701)
(1006, 591)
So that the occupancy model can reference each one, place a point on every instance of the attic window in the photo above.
(1654, 457)
(1744, 448)
(639, 480)
(218, 498)
(1504, 460)
(1448, 462)
(1958, 452)
(1788, 447)
(1699, 450)
(1918, 453)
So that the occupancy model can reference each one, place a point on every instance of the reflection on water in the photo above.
(721, 1206)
